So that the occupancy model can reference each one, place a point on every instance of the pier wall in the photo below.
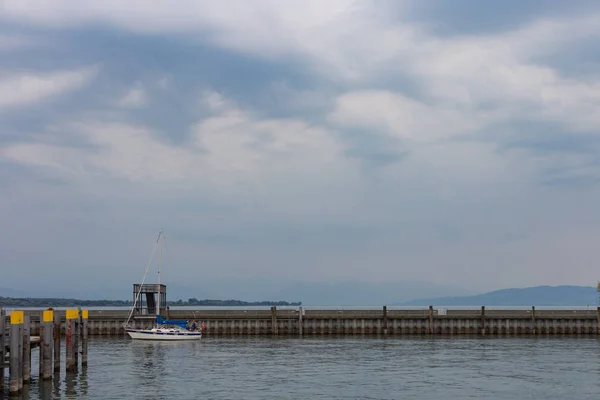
(356, 322)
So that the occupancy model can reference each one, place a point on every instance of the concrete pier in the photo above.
(293, 321)
(274, 324)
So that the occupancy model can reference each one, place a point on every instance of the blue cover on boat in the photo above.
(161, 321)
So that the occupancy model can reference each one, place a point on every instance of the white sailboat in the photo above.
(163, 329)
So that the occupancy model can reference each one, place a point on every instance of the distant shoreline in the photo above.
(61, 302)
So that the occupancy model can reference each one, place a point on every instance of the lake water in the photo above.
(332, 368)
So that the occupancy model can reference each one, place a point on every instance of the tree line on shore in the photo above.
(195, 302)
(60, 302)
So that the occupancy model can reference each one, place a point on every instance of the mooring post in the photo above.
(56, 330)
(48, 318)
(274, 329)
(84, 338)
(15, 369)
(26, 349)
(2, 346)
(71, 316)
(385, 320)
(20, 333)
(76, 334)
(431, 329)
(41, 359)
(300, 322)
(533, 323)
(483, 320)
(598, 321)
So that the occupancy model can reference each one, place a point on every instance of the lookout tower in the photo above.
(145, 306)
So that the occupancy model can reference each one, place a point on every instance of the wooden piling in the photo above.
(56, 335)
(16, 339)
(41, 359)
(2, 346)
(20, 353)
(71, 317)
(76, 338)
(300, 323)
(598, 321)
(431, 327)
(26, 349)
(274, 328)
(385, 320)
(84, 338)
(47, 344)
(483, 320)
(533, 323)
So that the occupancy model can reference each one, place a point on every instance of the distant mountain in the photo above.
(530, 296)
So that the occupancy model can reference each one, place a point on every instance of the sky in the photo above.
(452, 142)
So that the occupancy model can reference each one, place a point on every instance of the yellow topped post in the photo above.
(48, 316)
(16, 317)
(84, 338)
(72, 314)
(16, 352)
(46, 345)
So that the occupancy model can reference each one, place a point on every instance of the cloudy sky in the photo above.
(455, 142)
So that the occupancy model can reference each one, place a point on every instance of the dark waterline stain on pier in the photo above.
(333, 368)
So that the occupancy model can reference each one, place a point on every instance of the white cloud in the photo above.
(66, 161)
(279, 169)
(335, 34)
(502, 71)
(215, 102)
(164, 82)
(259, 149)
(402, 117)
(134, 98)
(348, 41)
(229, 147)
(18, 89)
(253, 20)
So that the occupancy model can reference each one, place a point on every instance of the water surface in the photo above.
(333, 368)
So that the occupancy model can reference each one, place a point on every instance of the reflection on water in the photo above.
(332, 368)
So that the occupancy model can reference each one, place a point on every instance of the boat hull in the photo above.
(144, 334)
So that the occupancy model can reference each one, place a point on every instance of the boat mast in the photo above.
(159, 266)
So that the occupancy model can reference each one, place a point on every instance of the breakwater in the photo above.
(427, 321)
